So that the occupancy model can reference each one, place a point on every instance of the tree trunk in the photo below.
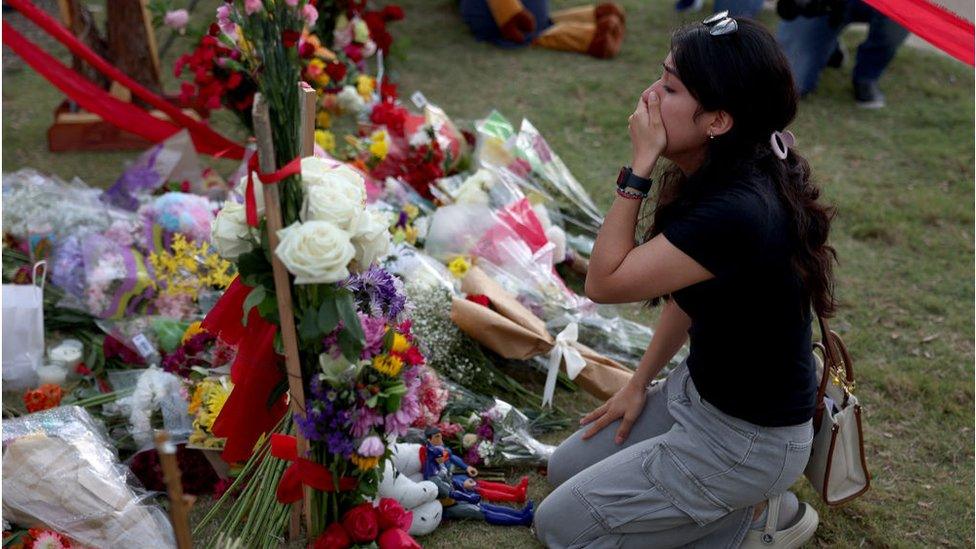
(82, 24)
(132, 43)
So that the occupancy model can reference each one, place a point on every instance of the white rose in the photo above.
(258, 192)
(372, 238)
(316, 252)
(230, 233)
(334, 193)
(350, 101)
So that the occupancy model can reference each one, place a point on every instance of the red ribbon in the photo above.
(256, 371)
(94, 99)
(932, 23)
(250, 203)
(303, 472)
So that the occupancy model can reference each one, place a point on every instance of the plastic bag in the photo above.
(173, 160)
(32, 200)
(513, 441)
(23, 331)
(416, 267)
(60, 470)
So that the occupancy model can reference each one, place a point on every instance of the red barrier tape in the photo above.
(932, 23)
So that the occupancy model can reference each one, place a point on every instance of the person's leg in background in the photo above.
(739, 8)
(808, 43)
(874, 54)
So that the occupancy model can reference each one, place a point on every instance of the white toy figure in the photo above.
(403, 481)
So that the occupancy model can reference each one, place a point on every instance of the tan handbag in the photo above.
(837, 467)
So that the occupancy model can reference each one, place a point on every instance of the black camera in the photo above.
(791, 9)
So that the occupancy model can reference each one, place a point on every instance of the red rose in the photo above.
(395, 538)
(355, 52)
(361, 523)
(336, 71)
(480, 299)
(214, 29)
(306, 50)
(393, 515)
(334, 537)
(388, 91)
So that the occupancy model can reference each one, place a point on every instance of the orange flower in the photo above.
(44, 397)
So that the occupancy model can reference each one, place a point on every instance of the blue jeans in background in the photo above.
(809, 41)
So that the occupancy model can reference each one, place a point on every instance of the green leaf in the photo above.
(277, 391)
(268, 308)
(308, 326)
(328, 315)
(394, 396)
(388, 339)
(351, 347)
(253, 264)
(255, 297)
(371, 403)
(346, 305)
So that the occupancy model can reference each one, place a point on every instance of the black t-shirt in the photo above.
(750, 334)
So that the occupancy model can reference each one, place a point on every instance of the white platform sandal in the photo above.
(789, 538)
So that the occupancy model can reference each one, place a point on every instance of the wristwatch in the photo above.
(627, 179)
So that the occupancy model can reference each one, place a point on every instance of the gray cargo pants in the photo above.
(688, 475)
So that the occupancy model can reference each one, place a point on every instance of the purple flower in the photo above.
(375, 330)
(378, 291)
(324, 422)
(371, 447)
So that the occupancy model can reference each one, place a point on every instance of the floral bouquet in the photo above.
(360, 363)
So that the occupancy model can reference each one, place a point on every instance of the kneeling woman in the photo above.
(738, 246)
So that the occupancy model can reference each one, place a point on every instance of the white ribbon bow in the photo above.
(563, 349)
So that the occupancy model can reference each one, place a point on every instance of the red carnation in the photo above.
(290, 37)
(480, 299)
(396, 538)
(392, 12)
(413, 357)
(334, 537)
(336, 71)
(388, 91)
(214, 29)
(361, 523)
(306, 50)
(393, 515)
(355, 52)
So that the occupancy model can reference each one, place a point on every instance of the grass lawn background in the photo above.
(901, 178)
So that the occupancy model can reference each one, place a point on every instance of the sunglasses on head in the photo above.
(720, 24)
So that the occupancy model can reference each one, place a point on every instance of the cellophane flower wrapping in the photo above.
(61, 469)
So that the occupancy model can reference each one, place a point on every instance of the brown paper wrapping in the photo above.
(513, 331)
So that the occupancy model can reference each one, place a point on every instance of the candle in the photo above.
(66, 354)
(52, 373)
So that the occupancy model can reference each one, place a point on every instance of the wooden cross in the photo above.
(282, 282)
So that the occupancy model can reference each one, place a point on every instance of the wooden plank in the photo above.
(179, 510)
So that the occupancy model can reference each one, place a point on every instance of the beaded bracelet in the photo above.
(631, 195)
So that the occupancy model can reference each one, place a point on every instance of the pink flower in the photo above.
(371, 447)
(291, 3)
(363, 420)
(177, 19)
(252, 6)
(48, 540)
(223, 20)
(310, 14)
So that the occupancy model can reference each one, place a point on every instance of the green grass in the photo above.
(902, 181)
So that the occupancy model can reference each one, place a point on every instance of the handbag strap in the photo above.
(836, 358)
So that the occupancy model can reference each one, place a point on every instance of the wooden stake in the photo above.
(178, 508)
(306, 99)
(293, 367)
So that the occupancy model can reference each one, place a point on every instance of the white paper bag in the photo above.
(23, 331)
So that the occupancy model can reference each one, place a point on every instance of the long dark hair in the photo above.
(746, 75)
